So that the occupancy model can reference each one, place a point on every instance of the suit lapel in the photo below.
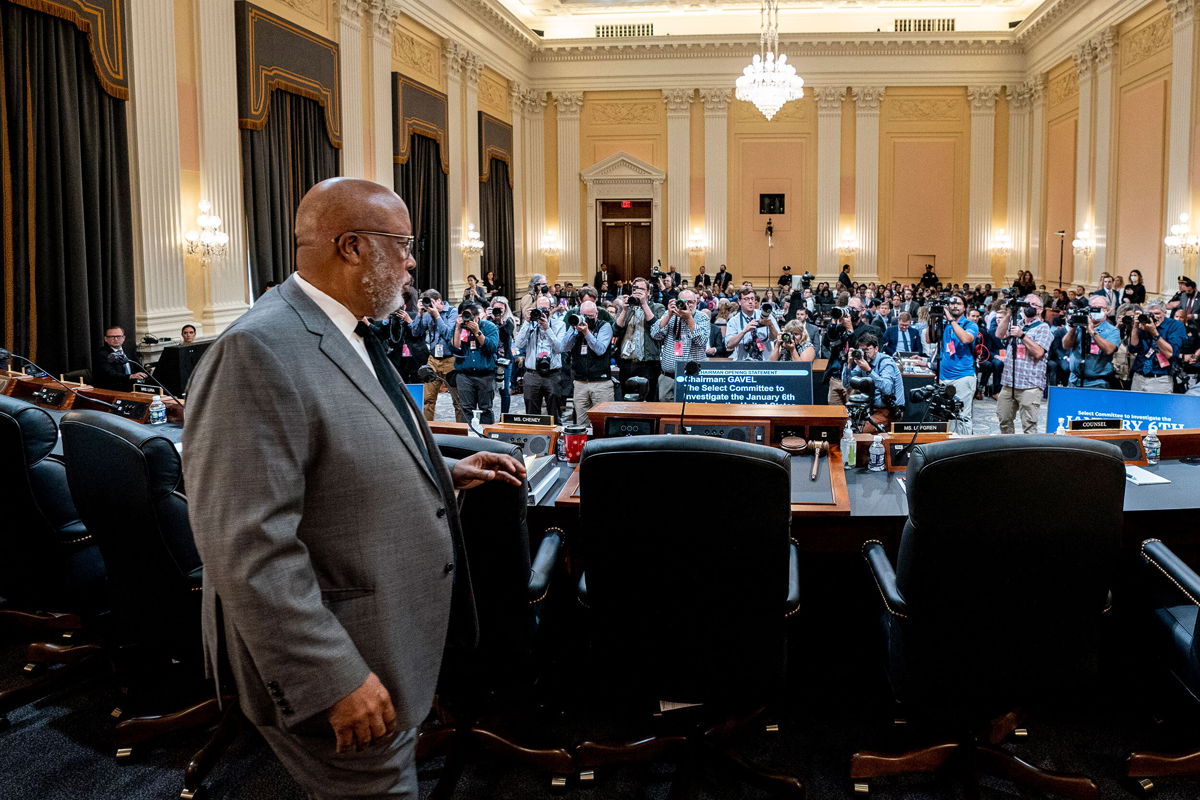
(335, 347)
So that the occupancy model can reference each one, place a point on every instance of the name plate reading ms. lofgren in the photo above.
(1103, 424)
(527, 419)
(920, 427)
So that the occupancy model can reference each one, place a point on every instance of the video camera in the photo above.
(806, 280)
(943, 405)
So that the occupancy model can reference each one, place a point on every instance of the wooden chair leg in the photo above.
(1002, 764)
(868, 764)
(232, 721)
(776, 782)
(1153, 765)
(657, 748)
(139, 729)
(553, 759)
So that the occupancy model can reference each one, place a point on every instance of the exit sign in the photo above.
(626, 204)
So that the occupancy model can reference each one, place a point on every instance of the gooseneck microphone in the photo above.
(427, 374)
(121, 358)
(690, 369)
(5, 355)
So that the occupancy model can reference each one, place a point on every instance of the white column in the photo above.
(350, 58)
(1018, 223)
(516, 95)
(570, 262)
(221, 164)
(1104, 46)
(829, 174)
(160, 286)
(1084, 61)
(866, 183)
(983, 158)
(454, 184)
(1037, 179)
(381, 80)
(716, 175)
(679, 177)
(535, 183)
(1183, 67)
(472, 66)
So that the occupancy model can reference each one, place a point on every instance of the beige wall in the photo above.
(924, 182)
(417, 54)
(1062, 121)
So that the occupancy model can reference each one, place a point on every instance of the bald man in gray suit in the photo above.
(325, 517)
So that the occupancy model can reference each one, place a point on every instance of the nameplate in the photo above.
(920, 427)
(1103, 424)
(527, 419)
(145, 388)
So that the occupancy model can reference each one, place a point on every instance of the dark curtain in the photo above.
(281, 163)
(422, 184)
(65, 200)
(496, 228)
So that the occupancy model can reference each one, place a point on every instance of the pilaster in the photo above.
(1020, 101)
(534, 106)
(350, 58)
(383, 21)
(679, 177)
(160, 286)
(1180, 190)
(221, 164)
(983, 145)
(1104, 47)
(455, 190)
(569, 105)
(716, 174)
(1085, 58)
(1038, 237)
(516, 102)
(867, 100)
(472, 67)
(829, 174)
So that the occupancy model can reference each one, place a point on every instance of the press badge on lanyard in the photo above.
(1021, 351)
(679, 348)
(439, 351)
(950, 348)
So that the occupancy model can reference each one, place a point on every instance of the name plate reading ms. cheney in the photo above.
(527, 419)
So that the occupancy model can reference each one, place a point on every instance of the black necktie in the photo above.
(395, 391)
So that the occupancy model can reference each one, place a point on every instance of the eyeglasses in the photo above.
(117, 336)
(406, 239)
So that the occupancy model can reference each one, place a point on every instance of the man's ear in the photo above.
(348, 247)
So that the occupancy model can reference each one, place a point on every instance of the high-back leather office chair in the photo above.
(686, 608)
(983, 611)
(1173, 628)
(126, 481)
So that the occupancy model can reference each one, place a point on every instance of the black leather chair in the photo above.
(51, 572)
(126, 482)
(487, 697)
(688, 616)
(985, 612)
(1174, 629)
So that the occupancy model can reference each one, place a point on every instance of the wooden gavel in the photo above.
(797, 446)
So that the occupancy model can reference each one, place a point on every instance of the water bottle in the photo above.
(875, 464)
(849, 447)
(158, 411)
(1153, 446)
(1062, 431)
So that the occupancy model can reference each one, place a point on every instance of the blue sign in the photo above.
(772, 383)
(417, 390)
(1139, 410)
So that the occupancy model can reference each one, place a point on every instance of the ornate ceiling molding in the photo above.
(1043, 21)
(500, 20)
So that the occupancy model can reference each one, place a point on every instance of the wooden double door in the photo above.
(626, 242)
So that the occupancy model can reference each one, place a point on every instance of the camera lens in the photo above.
(573, 320)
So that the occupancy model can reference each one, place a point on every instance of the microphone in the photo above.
(690, 369)
(5, 355)
(427, 374)
(1060, 233)
(121, 358)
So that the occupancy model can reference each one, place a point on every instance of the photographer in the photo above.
(682, 336)
(588, 340)
(794, 343)
(505, 355)
(1156, 341)
(538, 287)
(1023, 383)
(475, 343)
(750, 333)
(535, 339)
(406, 350)
(845, 329)
(637, 352)
(436, 325)
(868, 361)
(956, 355)
(1092, 349)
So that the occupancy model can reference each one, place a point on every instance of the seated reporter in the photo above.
(794, 344)
(474, 346)
(887, 404)
(1092, 347)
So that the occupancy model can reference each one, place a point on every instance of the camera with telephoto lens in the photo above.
(502, 368)
(573, 320)
(937, 306)
(535, 314)
(857, 355)
(943, 405)
(466, 315)
(497, 312)
(542, 366)
(786, 337)
(544, 288)
(426, 303)
(767, 309)
(1145, 319)
(1077, 316)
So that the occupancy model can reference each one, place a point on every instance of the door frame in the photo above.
(621, 177)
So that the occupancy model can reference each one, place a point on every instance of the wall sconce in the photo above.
(848, 245)
(472, 245)
(1182, 242)
(697, 243)
(1083, 244)
(210, 241)
(1001, 243)
(550, 245)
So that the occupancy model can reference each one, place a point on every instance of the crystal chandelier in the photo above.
(769, 81)
(1182, 242)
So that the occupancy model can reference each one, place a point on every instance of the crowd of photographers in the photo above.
(1009, 343)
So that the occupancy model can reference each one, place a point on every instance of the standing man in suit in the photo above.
(602, 276)
(1107, 291)
(324, 514)
(703, 279)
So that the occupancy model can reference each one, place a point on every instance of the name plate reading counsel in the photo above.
(748, 383)
(920, 427)
(1108, 424)
(528, 419)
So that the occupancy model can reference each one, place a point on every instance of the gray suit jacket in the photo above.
(329, 547)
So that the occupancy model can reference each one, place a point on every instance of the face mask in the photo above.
(1097, 315)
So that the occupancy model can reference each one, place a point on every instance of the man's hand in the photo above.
(1015, 331)
(480, 468)
(472, 326)
(545, 321)
(863, 364)
(582, 328)
(138, 376)
(949, 317)
(434, 310)
(363, 717)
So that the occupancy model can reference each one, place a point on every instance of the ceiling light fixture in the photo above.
(769, 81)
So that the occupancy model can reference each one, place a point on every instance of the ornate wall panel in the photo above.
(419, 109)
(495, 141)
(494, 95)
(417, 54)
(104, 23)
